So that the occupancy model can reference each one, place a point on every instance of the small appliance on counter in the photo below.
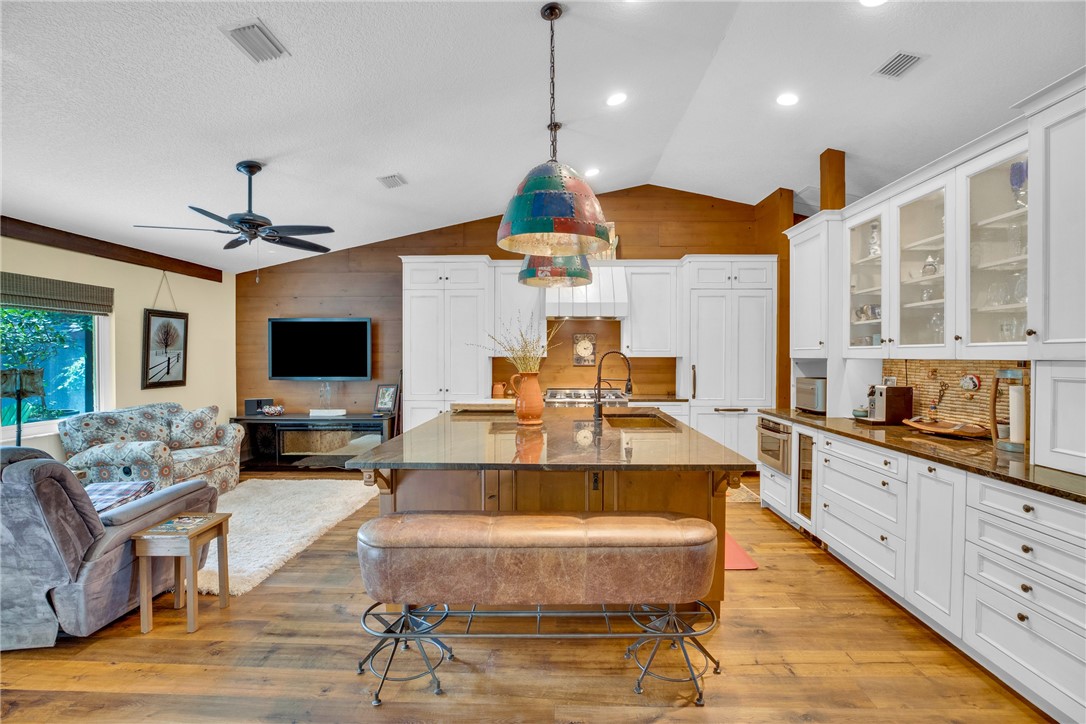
(811, 394)
(888, 405)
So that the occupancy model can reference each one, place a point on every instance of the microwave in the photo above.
(811, 394)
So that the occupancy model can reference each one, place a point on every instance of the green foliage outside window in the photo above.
(59, 343)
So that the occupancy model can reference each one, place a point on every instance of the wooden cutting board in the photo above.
(953, 429)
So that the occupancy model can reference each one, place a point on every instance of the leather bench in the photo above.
(531, 559)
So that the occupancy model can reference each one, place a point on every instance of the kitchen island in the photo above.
(635, 459)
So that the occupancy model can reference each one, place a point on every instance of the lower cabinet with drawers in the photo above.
(997, 569)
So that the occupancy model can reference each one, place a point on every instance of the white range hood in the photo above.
(605, 297)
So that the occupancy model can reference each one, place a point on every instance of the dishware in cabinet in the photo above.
(865, 258)
(992, 227)
(921, 294)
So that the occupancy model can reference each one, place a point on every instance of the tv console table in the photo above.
(286, 440)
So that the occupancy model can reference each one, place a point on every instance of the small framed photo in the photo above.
(386, 398)
(889, 381)
(165, 348)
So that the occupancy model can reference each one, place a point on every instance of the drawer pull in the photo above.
(885, 484)
(1027, 508)
(1026, 588)
(886, 463)
(826, 506)
(1026, 548)
(1023, 617)
(931, 469)
(882, 538)
(826, 461)
(829, 444)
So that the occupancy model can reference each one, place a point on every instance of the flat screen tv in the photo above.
(319, 348)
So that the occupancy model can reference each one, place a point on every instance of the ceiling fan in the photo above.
(250, 226)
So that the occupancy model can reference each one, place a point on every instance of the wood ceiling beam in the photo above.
(47, 236)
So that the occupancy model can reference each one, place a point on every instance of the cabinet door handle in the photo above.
(1026, 588)
(1031, 332)
(1026, 548)
(931, 469)
(1022, 617)
(1027, 508)
(890, 340)
(826, 506)
(821, 343)
(694, 374)
(829, 444)
(885, 484)
(957, 338)
(883, 538)
(886, 463)
(826, 461)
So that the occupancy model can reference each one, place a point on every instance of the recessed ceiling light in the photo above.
(590, 172)
(617, 99)
(872, 3)
(787, 99)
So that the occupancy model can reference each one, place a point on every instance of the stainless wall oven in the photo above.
(775, 445)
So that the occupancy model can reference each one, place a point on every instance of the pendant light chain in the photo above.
(553, 125)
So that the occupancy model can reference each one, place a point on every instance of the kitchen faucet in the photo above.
(597, 407)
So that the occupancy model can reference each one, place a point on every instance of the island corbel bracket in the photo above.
(378, 478)
(727, 479)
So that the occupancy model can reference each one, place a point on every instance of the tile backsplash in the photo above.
(927, 376)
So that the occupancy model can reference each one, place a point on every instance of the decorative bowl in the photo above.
(860, 412)
(272, 410)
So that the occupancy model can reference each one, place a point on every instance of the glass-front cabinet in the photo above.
(995, 208)
(865, 234)
(922, 272)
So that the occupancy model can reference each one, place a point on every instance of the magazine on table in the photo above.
(180, 524)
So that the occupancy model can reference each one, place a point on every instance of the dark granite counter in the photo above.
(974, 456)
(568, 439)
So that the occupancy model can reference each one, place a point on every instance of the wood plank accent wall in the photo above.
(366, 281)
(38, 234)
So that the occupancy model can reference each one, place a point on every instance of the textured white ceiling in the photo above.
(121, 113)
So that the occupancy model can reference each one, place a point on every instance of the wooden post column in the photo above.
(831, 166)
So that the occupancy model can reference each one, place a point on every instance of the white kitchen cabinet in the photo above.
(866, 250)
(465, 272)
(775, 491)
(1056, 313)
(734, 428)
(416, 412)
(809, 302)
(732, 347)
(651, 329)
(1058, 439)
(679, 410)
(871, 549)
(935, 542)
(737, 272)
(517, 306)
(444, 333)
(918, 308)
(992, 253)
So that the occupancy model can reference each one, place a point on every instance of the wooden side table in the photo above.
(182, 537)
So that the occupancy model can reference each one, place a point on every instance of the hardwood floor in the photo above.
(803, 639)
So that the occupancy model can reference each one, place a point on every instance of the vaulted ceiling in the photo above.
(122, 113)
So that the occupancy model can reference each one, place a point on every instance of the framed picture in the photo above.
(386, 398)
(165, 348)
(584, 350)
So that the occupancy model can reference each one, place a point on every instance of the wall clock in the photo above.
(584, 350)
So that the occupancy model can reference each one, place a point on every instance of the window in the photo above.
(53, 338)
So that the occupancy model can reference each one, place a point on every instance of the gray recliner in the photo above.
(64, 567)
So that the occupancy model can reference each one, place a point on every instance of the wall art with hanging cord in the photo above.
(165, 344)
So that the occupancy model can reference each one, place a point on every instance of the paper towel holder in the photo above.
(1009, 378)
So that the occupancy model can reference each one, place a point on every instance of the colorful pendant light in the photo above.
(554, 212)
(555, 271)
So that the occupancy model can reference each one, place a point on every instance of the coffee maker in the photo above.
(888, 405)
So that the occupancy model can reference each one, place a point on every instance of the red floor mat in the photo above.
(735, 558)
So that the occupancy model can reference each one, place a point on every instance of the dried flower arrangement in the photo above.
(522, 345)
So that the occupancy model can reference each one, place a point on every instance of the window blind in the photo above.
(54, 295)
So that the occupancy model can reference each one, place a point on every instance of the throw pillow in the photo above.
(195, 428)
(107, 496)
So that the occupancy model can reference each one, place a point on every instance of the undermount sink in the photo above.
(638, 421)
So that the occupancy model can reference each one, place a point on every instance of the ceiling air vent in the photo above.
(254, 39)
(896, 66)
(393, 181)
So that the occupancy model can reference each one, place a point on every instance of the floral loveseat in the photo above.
(162, 442)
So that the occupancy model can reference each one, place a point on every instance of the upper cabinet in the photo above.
(920, 307)
(713, 272)
(516, 305)
(651, 330)
(435, 273)
(866, 272)
(809, 332)
(1055, 321)
(993, 253)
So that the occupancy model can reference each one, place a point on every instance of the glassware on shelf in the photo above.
(998, 294)
(927, 294)
(1016, 234)
(874, 243)
(1019, 179)
(1021, 288)
(1008, 329)
(935, 326)
(930, 268)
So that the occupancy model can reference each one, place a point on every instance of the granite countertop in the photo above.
(568, 439)
(972, 455)
(657, 398)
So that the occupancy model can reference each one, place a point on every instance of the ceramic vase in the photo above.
(529, 405)
(529, 445)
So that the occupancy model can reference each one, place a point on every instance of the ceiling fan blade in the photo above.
(235, 243)
(210, 215)
(296, 230)
(292, 243)
(183, 228)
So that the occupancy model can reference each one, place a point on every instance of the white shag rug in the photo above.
(275, 520)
